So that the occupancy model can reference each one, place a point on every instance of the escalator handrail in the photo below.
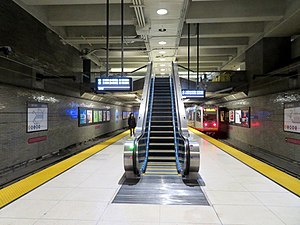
(179, 169)
(142, 118)
(143, 168)
(181, 118)
(180, 111)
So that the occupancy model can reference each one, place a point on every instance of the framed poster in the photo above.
(100, 116)
(245, 118)
(291, 121)
(124, 115)
(96, 116)
(89, 116)
(238, 116)
(104, 115)
(108, 115)
(231, 116)
(82, 116)
(37, 117)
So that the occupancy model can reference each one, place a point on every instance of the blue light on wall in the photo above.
(73, 113)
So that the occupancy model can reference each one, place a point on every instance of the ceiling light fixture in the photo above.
(162, 64)
(162, 69)
(162, 52)
(162, 12)
(162, 42)
(162, 59)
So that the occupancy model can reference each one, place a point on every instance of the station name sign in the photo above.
(113, 84)
(190, 93)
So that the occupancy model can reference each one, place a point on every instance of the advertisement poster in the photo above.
(82, 114)
(89, 116)
(104, 116)
(100, 115)
(238, 116)
(96, 116)
(231, 116)
(108, 116)
(292, 117)
(245, 117)
(37, 117)
(222, 116)
(124, 115)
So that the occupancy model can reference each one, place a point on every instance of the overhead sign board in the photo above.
(113, 84)
(189, 93)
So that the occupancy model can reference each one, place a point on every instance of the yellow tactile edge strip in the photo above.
(285, 180)
(20, 188)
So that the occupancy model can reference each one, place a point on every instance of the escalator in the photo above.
(162, 145)
(161, 162)
(161, 155)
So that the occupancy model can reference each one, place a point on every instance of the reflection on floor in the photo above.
(161, 190)
(83, 195)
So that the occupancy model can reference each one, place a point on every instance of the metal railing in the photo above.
(175, 128)
(149, 119)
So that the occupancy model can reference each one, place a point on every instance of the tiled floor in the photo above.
(83, 195)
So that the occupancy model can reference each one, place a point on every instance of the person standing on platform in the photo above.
(131, 124)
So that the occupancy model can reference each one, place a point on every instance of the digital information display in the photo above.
(113, 84)
(188, 93)
(292, 117)
(37, 117)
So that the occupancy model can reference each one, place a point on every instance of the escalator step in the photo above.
(161, 163)
(161, 158)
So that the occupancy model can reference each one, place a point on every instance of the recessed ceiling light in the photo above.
(162, 64)
(162, 59)
(162, 42)
(162, 52)
(162, 73)
(162, 69)
(162, 12)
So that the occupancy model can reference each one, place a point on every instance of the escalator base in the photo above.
(161, 190)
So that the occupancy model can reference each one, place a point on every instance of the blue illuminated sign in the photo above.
(113, 84)
(192, 93)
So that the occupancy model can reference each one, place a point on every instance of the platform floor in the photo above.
(83, 195)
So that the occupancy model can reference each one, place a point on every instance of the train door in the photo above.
(223, 122)
(199, 118)
(210, 120)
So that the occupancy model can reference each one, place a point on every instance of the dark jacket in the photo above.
(131, 122)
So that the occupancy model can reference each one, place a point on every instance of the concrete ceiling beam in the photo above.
(88, 15)
(70, 2)
(235, 11)
(99, 31)
(216, 42)
(208, 30)
(204, 58)
(209, 51)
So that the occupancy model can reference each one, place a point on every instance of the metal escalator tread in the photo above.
(162, 158)
(160, 151)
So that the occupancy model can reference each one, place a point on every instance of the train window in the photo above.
(198, 115)
(210, 116)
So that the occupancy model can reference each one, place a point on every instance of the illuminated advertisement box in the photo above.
(113, 84)
(188, 93)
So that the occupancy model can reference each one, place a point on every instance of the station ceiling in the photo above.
(227, 28)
